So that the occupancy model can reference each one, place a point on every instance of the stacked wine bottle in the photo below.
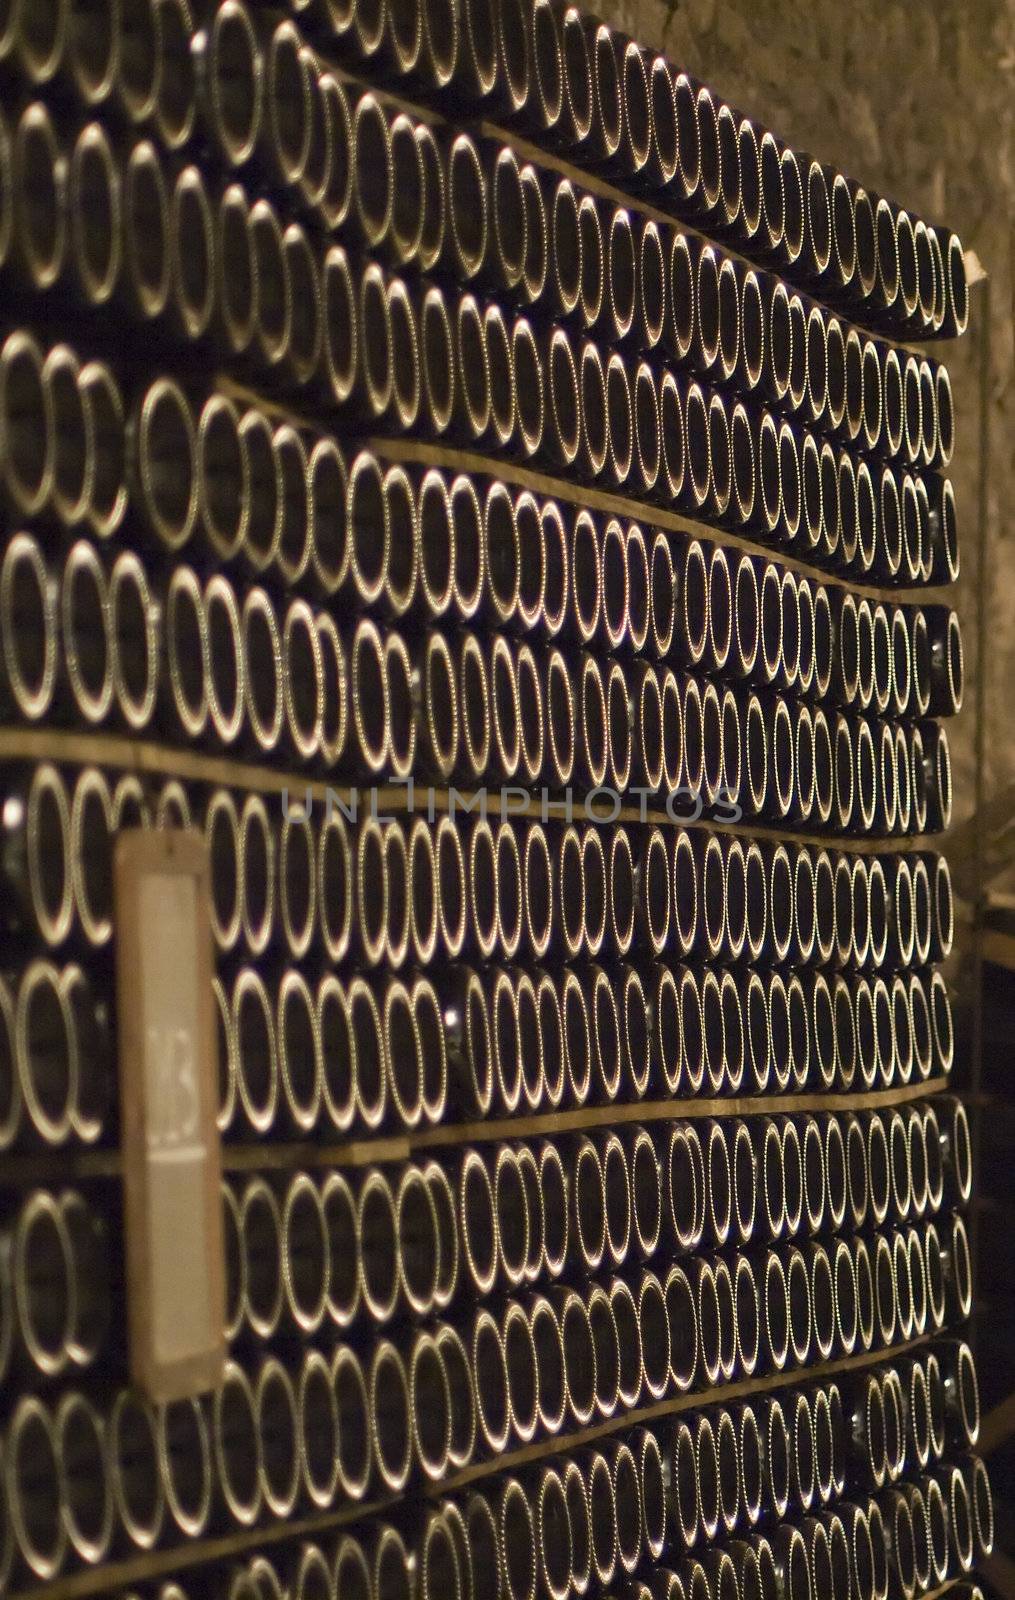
(477, 478)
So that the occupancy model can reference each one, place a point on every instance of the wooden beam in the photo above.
(1000, 1570)
(997, 1426)
(999, 948)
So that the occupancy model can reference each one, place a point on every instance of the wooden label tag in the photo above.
(172, 1161)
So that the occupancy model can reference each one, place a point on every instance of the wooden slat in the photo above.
(148, 758)
(171, 1563)
(58, 1166)
(656, 516)
(552, 161)
(452, 458)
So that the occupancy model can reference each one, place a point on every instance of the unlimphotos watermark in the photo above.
(601, 804)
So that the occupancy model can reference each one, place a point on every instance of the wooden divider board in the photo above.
(172, 1161)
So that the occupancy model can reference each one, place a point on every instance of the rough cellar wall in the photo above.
(919, 102)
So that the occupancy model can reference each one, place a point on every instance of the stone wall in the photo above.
(919, 103)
